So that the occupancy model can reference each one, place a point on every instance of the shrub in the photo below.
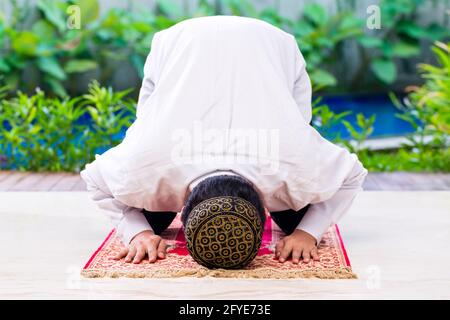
(37, 47)
(41, 133)
(427, 109)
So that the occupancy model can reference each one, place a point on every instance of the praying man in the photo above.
(222, 134)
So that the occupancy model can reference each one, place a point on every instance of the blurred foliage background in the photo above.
(39, 49)
(63, 89)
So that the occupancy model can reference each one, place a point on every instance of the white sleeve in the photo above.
(150, 72)
(128, 220)
(320, 216)
(302, 90)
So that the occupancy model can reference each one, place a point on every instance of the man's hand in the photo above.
(144, 244)
(299, 244)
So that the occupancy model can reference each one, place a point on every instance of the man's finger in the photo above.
(140, 254)
(131, 254)
(162, 249)
(278, 248)
(296, 254)
(285, 252)
(306, 255)
(315, 254)
(122, 253)
(152, 250)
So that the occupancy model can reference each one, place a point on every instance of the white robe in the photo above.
(224, 94)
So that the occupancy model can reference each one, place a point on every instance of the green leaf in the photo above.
(12, 80)
(405, 49)
(322, 78)
(385, 70)
(350, 129)
(46, 49)
(370, 42)
(325, 42)
(54, 12)
(436, 32)
(142, 27)
(316, 13)
(56, 86)
(51, 66)
(360, 120)
(170, 8)
(302, 28)
(412, 29)
(35, 130)
(4, 67)
(89, 10)
(387, 49)
(407, 118)
(351, 22)
(162, 22)
(93, 113)
(44, 30)
(25, 43)
(32, 115)
(81, 65)
(271, 15)
(241, 8)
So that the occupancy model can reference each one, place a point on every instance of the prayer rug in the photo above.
(334, 262)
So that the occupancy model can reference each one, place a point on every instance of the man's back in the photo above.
(224, 93)
(224, 71)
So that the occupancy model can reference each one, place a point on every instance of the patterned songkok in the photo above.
(223, 232)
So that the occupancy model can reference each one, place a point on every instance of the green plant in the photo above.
(41, 50)
(10, 62)
(3, 92)
(361, 133)
(434, 94)
(45, 48)
(402, 160)
(110, 113)
(324, 119)
(398, 39)
(57, 133)
(319, 35)
(124, 36)
(39, 132)
(42, 133)
(50, 54)
(427, 108)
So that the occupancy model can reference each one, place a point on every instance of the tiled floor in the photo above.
(26, 181)
(397, 243)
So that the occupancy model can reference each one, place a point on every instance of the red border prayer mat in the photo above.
(333, 264)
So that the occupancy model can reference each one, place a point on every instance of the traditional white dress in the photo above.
(224, 94)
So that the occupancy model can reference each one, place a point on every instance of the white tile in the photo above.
(397, 242)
